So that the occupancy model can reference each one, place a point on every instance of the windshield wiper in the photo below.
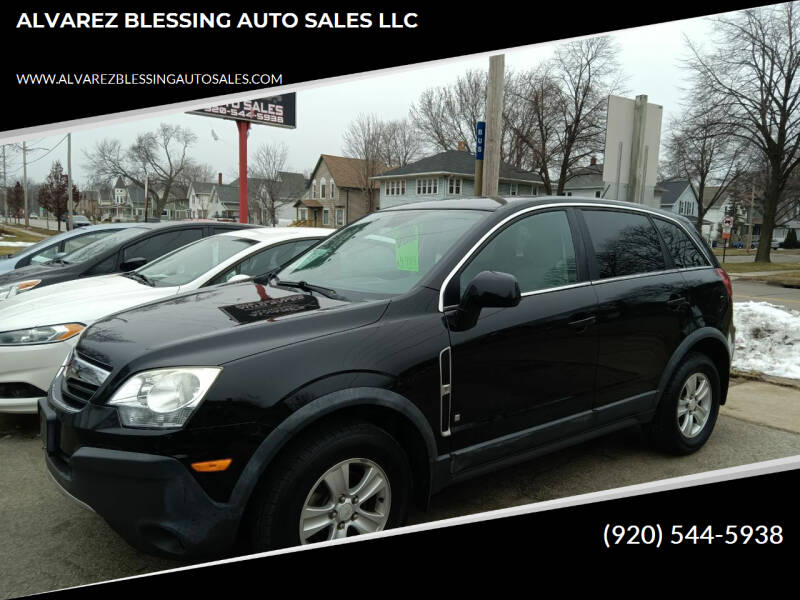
(139, 277)
(308, 287)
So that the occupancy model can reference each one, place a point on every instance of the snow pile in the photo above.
(767, 339)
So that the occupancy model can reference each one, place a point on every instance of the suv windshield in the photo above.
(101, 246)
(190, 262)
(383, 254)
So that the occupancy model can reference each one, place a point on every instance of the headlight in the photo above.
(41, 335)
(162, 397)
(9, 291)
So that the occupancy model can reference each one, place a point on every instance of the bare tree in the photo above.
(533, 115)
(587, 71)
(702, 148)
(162, 154)
(362, 140)
(398, 143)
(269, 161)
(753, 73)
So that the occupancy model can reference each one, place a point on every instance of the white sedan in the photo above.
(40, 327)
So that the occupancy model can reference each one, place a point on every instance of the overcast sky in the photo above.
(650, 57)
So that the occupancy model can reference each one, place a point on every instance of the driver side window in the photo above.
(537, 250)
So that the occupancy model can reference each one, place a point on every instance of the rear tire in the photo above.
(688, 409)
(311, 494)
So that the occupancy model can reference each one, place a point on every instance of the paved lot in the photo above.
(778, 256)
(48, 542)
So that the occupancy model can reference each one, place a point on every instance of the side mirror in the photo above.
(488, 289)
(133, 263)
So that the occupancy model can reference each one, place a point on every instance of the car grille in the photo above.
(82, 378)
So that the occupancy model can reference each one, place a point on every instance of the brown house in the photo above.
(340, 191)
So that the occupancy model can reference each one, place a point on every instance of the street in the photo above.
(49, 542)
(758, 291)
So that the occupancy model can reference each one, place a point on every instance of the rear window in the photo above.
(624, 243)
(683, 250)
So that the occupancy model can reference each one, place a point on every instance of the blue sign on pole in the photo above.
(480, 136)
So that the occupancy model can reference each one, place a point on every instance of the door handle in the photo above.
(582, 324)
(677, 302)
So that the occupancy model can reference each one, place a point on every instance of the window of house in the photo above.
(454, 187)
(624, 243)
(396, 188)
(303, 214)
(333, 191)
(314, 189)
(339, 217)
(513, 189)
(597, 194)
(427, 186)
(323, 186)
(326, 216)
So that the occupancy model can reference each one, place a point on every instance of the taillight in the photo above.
(726, 280)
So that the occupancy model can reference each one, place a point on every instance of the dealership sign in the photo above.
(278, 111)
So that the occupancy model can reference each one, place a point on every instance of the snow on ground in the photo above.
(4, 242)
(767, 339)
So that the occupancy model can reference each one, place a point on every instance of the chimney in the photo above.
(462, 146)
(593, 161)
(219, 178)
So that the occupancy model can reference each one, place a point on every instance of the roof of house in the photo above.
(308, 202)
(203, 187)
(586, 178)
(673, 188)
(228, 194)
(292, 184)
(456, 162)
(347, 171)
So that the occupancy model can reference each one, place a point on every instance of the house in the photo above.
(677, 195)
(341, 190)
(287, 188)
(449, 174)
(126, 203)
(199, 196)
(587, 182)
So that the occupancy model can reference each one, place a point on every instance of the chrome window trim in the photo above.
(556, 288)
(531, 209)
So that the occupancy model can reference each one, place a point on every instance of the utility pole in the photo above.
(70, 208)
(25, 179)
(638, 166)
(494, 124)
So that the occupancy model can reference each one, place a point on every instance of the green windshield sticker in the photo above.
(407, 249)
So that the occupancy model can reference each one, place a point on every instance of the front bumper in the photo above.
(35, 365)
(152, 501)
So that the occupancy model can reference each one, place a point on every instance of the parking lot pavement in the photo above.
(48, 542)
(758, 291)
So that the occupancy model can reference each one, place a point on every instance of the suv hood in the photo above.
(220, 324)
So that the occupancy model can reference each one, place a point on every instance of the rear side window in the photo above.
(537, 250)
(158, 245)
(624, 243)
(684, 251)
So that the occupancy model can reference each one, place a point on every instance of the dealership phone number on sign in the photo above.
(653, 535)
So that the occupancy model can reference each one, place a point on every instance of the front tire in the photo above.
(347, 479)
(688, 409)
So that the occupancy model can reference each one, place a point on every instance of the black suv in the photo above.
(417, 347)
